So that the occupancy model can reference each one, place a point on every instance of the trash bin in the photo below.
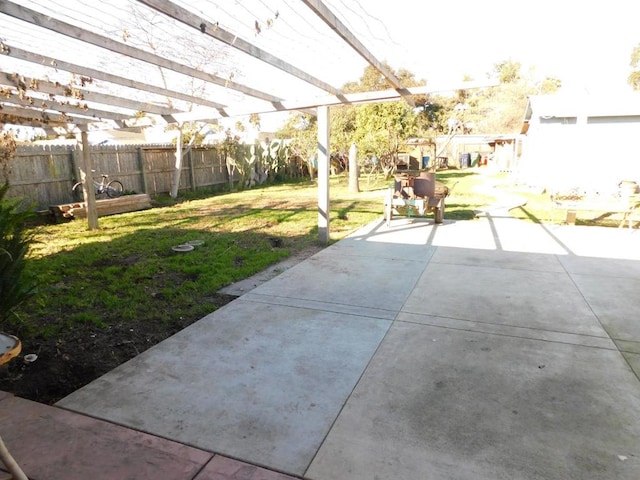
(425, 162)
(475, 160)
(465, 160)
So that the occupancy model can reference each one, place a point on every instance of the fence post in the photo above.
(143, 173)
(192, 173)
(75, 164)
(74, 156)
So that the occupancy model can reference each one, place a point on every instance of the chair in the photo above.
(424, 187)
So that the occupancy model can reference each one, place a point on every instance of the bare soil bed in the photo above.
(77, 356)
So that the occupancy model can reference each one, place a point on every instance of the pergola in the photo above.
(82, 65)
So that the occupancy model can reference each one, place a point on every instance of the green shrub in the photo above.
(15, 238)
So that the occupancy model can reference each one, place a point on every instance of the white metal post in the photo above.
(323, 174)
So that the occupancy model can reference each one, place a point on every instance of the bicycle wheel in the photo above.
(76, 191)
(114, 189)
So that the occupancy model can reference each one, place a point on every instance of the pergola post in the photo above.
(323, 174)
(86, 177)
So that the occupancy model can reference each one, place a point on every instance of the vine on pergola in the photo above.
(23, 85)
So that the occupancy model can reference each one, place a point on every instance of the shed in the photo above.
(500, 150)
(584, 142)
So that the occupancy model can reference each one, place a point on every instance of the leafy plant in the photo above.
(7, 150)
(15, 238)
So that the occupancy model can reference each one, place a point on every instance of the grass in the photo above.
(126, 270)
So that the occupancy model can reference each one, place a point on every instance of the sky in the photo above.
(586, 44)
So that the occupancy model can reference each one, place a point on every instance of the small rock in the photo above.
(30, 358)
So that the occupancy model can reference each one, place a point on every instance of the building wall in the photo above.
(591, 154)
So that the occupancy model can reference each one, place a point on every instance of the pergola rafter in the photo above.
(40, 117)
(71, 107)
(310, 104)
(58, 90)
(95, 74)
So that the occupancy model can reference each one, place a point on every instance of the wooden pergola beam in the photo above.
(48, 127)
(327, 16)
(349, 98)
(48, 106)
(50, 88)
(109, 77)
(184, 16)
(41, 117)
(77, 33)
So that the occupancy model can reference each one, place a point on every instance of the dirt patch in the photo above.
(75, 357)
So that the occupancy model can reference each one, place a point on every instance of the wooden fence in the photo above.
(45, 175)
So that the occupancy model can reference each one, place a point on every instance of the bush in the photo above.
(15, 238)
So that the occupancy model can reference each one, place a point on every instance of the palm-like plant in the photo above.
(15, 238)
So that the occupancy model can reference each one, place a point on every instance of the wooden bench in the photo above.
(627, 205)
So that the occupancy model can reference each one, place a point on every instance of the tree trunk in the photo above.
(86, 177)
(175, 183)
(354, 185)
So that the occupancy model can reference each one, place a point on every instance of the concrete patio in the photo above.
(481, 349)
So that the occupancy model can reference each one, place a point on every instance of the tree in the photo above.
(146, 29)
(634, 76)
(378, 129)
(382, 129)
(508, 71)
(550, 85)
(193, 133)
(500, 109)
(229, 148)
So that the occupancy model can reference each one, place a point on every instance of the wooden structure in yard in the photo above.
(107, 206)
(416, 193)
(626, 206)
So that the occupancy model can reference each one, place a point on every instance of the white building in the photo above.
(581, 142)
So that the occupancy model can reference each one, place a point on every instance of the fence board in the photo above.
(44, 175)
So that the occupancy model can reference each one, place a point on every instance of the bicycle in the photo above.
(113, 188)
